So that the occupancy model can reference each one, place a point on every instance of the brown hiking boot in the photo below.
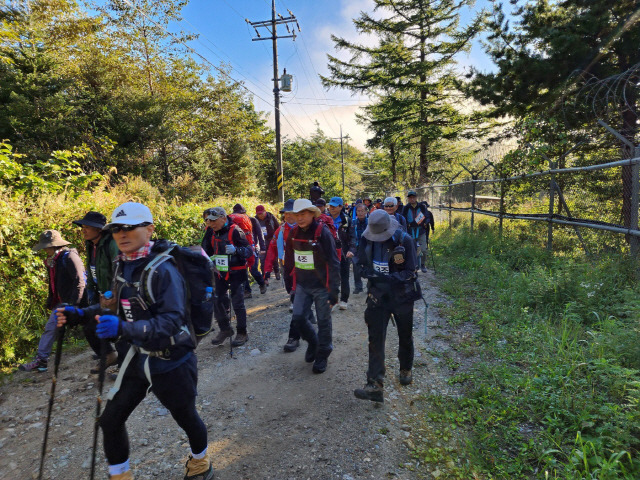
(405, 377)
(198, 469)
(222, 336)
(241, 339)
(371, 391)
(110, 359)
(122, 476)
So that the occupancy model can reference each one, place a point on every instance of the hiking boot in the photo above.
(371, 391)
(263, 288)
(198, 469)
(278, 276)
(248, 294)
(423, 269)
(310, 354)
(405, 377)
(222, 336)
(343, 305)
(110, 359)
(241, 339)
(122, 476)
(319, 365)
(291, 345)
(38, 364)
(290, 308)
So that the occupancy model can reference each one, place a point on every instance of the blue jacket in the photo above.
(357, 227)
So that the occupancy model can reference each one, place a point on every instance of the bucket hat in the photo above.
(303, 204)
(50, 238)
(288, 206)
(92, 219)
(381, 226)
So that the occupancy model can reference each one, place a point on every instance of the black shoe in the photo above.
(310, 354)
(277, 275)
(319, 365)
(241, 339)
(371, 391)
(423, 269)
(263, 288)
(405, 377)
(222, 336)
(291, 345)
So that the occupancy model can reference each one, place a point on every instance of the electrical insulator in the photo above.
(285, 81)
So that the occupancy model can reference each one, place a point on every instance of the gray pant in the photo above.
(302, 302)
(48, 337)
(357, 280)
(423, 249)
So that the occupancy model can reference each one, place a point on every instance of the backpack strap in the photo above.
(147, 274)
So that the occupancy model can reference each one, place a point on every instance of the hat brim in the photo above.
(109, 225)
(316, 211)
(382, 236)
(88, 223)
(41, 246)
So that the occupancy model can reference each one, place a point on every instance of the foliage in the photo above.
(554, 391)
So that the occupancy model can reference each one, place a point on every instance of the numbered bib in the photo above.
(419, 218)
(382, 267)
(94, 274)
(126, 310)
(304, 259)
(264, 231)
(221, 262)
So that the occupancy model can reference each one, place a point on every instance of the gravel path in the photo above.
(268, 415)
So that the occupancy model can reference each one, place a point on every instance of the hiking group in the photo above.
(146, 304)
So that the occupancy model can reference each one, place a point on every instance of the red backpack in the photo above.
(323, 220)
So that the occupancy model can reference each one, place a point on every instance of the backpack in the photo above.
(244, 222)
(323, 220)
(197, 271)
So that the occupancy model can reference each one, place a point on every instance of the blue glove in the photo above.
(230, 250)
(73, 315)
(109, 326)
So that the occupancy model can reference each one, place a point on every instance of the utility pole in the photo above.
(342, 155)
(271, 26)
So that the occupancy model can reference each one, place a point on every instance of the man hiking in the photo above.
(268, 224)
(247, 223)
(358, 227)
(387, 257)
(152, 317)
(101, 253)
(390, 206)
(419, 221)
(66, 276)
(311, 256)
(343, 226)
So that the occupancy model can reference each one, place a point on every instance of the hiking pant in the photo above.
(276, 265)
(357, 279)
(176, 390)
(423, 249)
(377, 315)
(344, 279)
(302, 302)
(89, 329)
(257, 276)
(293, 330)
(48, 337)
(222, 304)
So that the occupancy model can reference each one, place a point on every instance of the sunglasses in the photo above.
(126, 228)
(389, 205)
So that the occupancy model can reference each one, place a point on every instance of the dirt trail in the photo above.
(268, 415)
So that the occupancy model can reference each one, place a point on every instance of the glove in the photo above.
(109, 327)
(230, 250)
(73, 315)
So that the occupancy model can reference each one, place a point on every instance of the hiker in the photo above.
(206, 242)
(231, 250)
(315, 192)
(66, 275)
(377, 205)
(253, 232)
(321, 203)
(342, 224)
(387, 257)
(268, 224)
(275, 254)
(391, 207)
(101, 252)
(311, 254)
(367, 202)
(161, 355)
(419, 221)
(357, 228)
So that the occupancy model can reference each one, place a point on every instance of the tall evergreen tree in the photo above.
(411, 69)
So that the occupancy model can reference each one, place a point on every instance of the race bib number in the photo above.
(94, 275)
(264, 231)
(382, 267)
(420, 218)
(221, 262)
(126, 310)
(304, 260)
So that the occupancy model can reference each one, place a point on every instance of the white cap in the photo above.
(302, 204)
(130, 213)
(388, 200)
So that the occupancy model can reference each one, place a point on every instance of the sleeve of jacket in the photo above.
(289, 262)
(257, 233)
(75, 273)
(91, 286)
(411, 262)
(431, 221)
(333, 262)
(168, 312)
(206, 242)
(403, 222)
(274, 222)
(243, 249)
(272, 253)
(352, 237)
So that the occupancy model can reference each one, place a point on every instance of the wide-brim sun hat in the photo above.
(381, 226)
(130, 213)
(92, 219)
(50, 238)
(302, 204)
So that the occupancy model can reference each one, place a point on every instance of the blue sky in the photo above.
(226, 37)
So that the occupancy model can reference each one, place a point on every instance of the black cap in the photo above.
(321, 202)
(288, 206)
(378, 200)
(92, 219)
(237, 208)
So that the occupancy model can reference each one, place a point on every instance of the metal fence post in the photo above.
(635, 191)
(501, 217)
(551, 202)
(473, 198)
(450, 203)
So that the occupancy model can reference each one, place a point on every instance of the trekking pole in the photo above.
(54, 380)
(101, 373)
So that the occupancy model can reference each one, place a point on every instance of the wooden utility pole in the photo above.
(342, 138)
(271, 26)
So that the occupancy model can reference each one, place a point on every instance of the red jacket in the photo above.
(272, 249)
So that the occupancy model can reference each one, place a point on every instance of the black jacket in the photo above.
(327, 265)
(271, 224)
(413, 228)
(344, 232)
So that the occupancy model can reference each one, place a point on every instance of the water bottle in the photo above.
(108, 295)
(208, 294)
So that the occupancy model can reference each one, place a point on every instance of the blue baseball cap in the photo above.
(336, 202)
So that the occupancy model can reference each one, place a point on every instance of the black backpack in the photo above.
(197, 271)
